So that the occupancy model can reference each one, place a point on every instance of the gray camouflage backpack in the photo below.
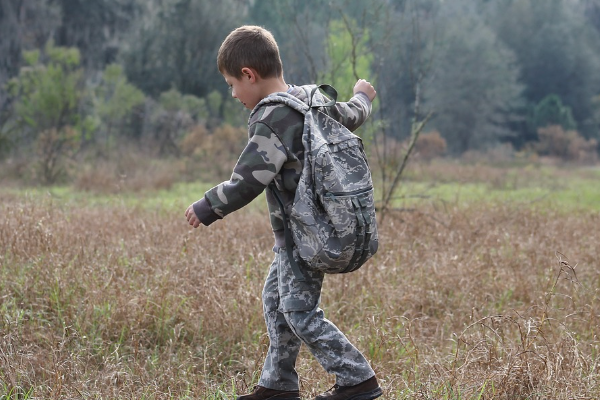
(332, 222)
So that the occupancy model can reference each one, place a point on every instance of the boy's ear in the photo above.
(250, 74)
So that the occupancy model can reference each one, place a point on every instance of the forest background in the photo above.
(483, 142)
(81, 80)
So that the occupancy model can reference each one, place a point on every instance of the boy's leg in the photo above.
(330, 347)
(333, 350)
(279, 370)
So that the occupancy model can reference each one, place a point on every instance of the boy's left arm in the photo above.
(256, 167)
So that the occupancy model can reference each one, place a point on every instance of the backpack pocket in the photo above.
(309, 231)
(344, 235)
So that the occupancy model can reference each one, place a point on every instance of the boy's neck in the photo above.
(272, 85)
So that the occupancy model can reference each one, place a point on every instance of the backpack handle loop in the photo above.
(329, 91)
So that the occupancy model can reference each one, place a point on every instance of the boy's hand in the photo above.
(365, 87)
(191, 217)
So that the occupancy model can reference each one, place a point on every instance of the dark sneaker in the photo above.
(366, 390)
(262, 393)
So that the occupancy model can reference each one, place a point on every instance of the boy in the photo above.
(250, 63)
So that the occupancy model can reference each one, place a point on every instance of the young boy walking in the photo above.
(250, 63)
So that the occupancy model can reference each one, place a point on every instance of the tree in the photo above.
(596, 117)
(96, 28)
(176, 115)
(348, 56)
(591, 10)
(23, 25)
(300, 33)
(475, 85)
(558, 51)
(115, 99)
(48, 93)
(174, 44)
(551, 111)
(404, 42)
(404, 48)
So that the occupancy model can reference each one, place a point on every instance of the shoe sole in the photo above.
(284, 398)
(281, 398)
(373, 394)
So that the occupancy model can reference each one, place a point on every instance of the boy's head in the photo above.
(250, 47)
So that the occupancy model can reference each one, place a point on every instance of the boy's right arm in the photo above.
(362, 86)
(353, 113)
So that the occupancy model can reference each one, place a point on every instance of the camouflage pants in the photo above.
(292, 314)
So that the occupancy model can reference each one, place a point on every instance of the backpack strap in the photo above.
(329, 90)
(289, 240)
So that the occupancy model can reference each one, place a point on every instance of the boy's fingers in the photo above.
(188, 211)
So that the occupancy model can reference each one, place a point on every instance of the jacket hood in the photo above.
(302, 92)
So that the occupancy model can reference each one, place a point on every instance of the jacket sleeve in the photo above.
(353, 113)
(260, 161)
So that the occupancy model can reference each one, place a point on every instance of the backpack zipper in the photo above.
(352, 193)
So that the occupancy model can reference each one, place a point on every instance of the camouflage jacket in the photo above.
(274, 152)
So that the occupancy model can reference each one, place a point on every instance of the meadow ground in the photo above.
(487, 286)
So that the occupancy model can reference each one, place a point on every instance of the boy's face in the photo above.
(244, 89)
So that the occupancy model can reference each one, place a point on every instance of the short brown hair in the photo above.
(253, 47)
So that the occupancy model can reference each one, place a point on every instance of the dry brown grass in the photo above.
(126, 169)
(510, 178)
(111, 302)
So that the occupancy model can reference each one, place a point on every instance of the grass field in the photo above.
(487, 286)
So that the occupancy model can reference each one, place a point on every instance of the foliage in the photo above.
(390, 163)
(174, 44)
(301, 34)
(52, 147)
(115, 100)
(595, 121)
(491, 71)
(473, 109)
(214, 101)
(557, 51)
(24, 25)
(5, 140)
(430, 145)
(96, 28)
(567, 145)
(406, 46)
(551, 111)
(348, 56)
(175, 115)
(212, 155)
(173, 100)
(48, 93)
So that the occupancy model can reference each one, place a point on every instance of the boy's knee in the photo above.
(270, 301)
(305, 324)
